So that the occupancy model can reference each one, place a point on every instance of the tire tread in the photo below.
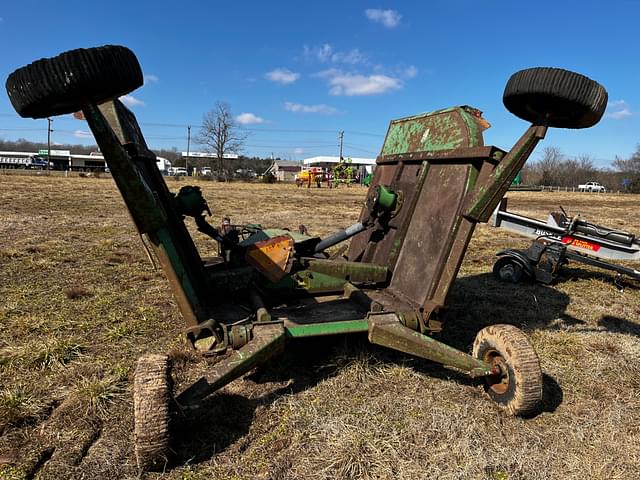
(518, 352)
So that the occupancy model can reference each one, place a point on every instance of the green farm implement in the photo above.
(434, 181)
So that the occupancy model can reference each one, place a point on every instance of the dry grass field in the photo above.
(79, 302)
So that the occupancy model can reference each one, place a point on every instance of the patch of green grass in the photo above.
(124, 330)
(9, 472)
(53, 353)
(17, 404)
(95, 393)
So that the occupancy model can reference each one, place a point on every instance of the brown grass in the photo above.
(79, 302)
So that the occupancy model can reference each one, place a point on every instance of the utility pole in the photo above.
(186, 160)
(49, 141)
(341, 137)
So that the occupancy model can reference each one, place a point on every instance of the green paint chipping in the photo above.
(440, 130)
(474, 130)
(328, 328)
(179, 268)
(399, 136)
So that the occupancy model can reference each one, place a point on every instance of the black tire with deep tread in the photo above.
(555, 97)
(520, 391)
(64, 84)
(151, 396)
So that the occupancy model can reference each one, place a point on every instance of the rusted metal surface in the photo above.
(488, 194)
(386, 330)
(473, 153)
(431, 233)
(268, 340)
(272, 257)
(356, 272)
(440, 130)
(150, 204)
(434, 137)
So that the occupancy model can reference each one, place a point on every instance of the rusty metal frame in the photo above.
(480, 175)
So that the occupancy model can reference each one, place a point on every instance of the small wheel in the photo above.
(151, 411)
(64, 84)
(555, 97)
(519, 387)
(506, 269)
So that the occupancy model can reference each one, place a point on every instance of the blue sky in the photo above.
(296, 73)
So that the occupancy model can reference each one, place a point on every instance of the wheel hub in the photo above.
(499, 379)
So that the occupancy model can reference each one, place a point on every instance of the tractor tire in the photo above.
(64, 84)
(508, 270)
(555, 98)
(519, 388)
(151, 396)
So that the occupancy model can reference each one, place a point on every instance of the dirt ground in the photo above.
(79, 302)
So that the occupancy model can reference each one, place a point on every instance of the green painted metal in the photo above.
(268, 340)
(308, 282)
(268, 233)
(164, 238)
(397, 243)
(355, 272)
(485, 199)
(327, 328)
(190, 201)
(136, 194)
(386, 198)
(440, 130)
(386, 330)
(150, 203)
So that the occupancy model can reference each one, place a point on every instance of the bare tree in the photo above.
(549, 165)
(629, 170)
(221, 134)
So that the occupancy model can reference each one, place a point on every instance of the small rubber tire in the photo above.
(151, 396)
(508, 270)
(67, 82)
(519, 388)
(555, 97)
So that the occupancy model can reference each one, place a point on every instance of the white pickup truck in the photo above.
(592, 187)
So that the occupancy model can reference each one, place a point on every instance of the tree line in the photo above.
(556, 169)
(220, 134)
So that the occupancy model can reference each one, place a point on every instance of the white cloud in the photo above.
(298, 151)
(388, 18)
(354, 84)
(150, 79)
(282, 76)
(82, 134)
(300, 108)
(410, 72)
(249, 119)
(618, 109)
(131, 101)
(326, 53)
(322, 53)
(352, 57)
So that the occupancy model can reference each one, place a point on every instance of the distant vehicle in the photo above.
(206, 171)
(39, 163)
(592, 187)
(180, 172)
(310, 175)
(23, 161)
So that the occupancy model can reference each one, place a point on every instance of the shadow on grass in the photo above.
(478, 301)
(223, 418)
(619, 325)
(619, 282)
